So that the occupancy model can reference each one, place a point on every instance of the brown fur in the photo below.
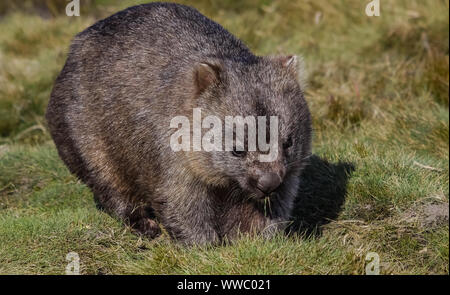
(109, 113)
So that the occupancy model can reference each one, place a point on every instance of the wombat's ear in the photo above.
(295, 65)
(289, 62)
(206, 74)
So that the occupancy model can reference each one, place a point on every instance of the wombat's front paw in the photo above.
(147, 227)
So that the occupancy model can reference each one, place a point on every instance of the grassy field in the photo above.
(378, 92)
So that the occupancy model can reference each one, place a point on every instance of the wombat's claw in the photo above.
(147, 227)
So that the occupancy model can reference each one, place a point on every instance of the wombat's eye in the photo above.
(239, 153)
(288, 143)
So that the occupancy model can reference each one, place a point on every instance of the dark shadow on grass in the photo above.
(320, 196)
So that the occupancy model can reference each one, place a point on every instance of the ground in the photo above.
(378, 93)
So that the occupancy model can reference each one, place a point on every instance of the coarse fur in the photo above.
(125, 78)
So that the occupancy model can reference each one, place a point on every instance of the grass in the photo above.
(378, 92)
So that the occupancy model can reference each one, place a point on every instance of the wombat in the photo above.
(109, 115)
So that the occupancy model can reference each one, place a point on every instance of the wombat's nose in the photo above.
(268, 182)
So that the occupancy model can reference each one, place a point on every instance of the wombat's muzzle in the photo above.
(268, 182)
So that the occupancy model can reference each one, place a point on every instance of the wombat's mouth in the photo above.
(260, 195)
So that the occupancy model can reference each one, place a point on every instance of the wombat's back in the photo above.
(168, 30)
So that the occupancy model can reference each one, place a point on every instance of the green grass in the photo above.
(378, 92)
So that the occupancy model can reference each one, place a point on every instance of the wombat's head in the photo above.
(259, 102)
